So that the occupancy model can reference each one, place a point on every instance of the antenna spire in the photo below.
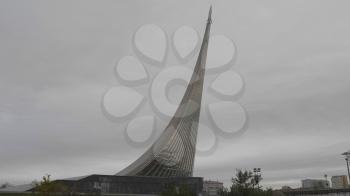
(209, 15)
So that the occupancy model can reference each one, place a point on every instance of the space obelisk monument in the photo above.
(173, 153)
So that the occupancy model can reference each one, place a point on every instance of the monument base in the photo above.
(111, 184)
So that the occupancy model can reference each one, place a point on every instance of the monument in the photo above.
(170, 160)
(174, 151)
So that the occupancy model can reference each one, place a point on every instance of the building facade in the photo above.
(212, 188)
(315, 184)
(320, 192)
(136, 185)
(339, 182)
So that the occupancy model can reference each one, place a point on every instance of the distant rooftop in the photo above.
(18, 188)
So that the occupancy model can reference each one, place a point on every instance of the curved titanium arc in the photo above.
(173, 152)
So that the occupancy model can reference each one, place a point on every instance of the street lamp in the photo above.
(257, 176)
(347, 157)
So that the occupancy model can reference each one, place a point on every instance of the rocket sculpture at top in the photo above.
(172, 154)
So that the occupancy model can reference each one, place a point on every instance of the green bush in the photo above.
(246, 184)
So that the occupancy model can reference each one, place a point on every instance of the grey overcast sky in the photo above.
(57, 60)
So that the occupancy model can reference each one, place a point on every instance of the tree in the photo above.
(224, 192)
(243, 179)
(46, 187)
(243, 184)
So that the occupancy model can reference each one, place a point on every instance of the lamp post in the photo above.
(257, 176)
(347, 157)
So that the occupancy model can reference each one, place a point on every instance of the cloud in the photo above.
(57, 59)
